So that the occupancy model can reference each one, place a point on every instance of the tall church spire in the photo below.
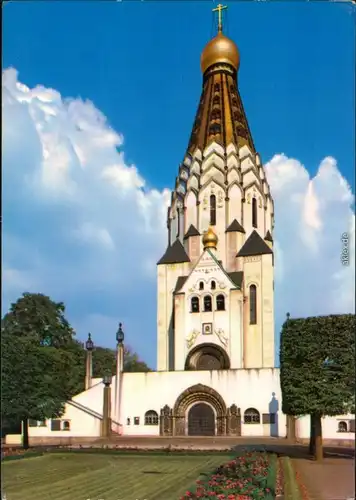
(220, 117)
(221, 193)
(221, 178)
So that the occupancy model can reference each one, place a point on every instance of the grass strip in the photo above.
(291, 487)
(272, 476)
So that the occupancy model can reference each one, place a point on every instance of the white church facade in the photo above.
(216, 370)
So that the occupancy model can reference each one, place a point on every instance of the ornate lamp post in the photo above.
(106, 424)
(89, 346)
(120, 337)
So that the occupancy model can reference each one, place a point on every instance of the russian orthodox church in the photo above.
(216, 370)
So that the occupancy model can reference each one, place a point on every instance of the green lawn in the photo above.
(85, 476)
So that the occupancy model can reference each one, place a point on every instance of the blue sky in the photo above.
(138, 63)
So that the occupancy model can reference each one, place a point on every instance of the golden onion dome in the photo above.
(210, 240)
(220, 50)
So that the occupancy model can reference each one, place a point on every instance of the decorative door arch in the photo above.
(204, 396)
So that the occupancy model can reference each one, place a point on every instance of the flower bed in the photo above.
(279, 489)
(249, 476)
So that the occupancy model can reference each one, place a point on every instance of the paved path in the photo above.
(334, 479)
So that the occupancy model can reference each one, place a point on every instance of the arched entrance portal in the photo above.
(199, 411)
(201, 420)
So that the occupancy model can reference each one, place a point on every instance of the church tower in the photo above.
(215, 280)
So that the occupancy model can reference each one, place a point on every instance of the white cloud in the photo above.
(311, 215)
(88, 233)
(80, 225)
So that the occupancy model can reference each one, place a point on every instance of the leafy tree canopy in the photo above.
(43, 365)
(104, 361)
(35, 382)
(40, 368)
(317, 365)
(40, 319)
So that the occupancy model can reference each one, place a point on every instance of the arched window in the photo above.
(66, 425)
(207, 303)
(195, 305)
(212, 210)
(220, 303)
(251, 416)
(254, 212)
(213, 285)
(342, 427)
(151, 418)
(253, 305)
(201, 286)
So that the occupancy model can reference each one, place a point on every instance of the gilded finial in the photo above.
(210, 240)
(219, 10)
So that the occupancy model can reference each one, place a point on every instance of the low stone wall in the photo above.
(147, 442)
(16, 439)
(344, 443)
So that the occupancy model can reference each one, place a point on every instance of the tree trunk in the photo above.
(291, 428)
(25, 440)
(312, 435)
(319, 455)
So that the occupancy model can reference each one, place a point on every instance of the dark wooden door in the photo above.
(201, 420)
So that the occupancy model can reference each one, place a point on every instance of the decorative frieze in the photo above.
(233, 421)
(191, 338)
(222, 336)
(166, 421)
(254, 258)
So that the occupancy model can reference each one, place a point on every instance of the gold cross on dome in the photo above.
(219, 10)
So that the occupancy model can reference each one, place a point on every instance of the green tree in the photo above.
(317, 359)
(43, 365)
(36, 316)
(104, 361)
(35, 381)
(132, 362)
(40, 360)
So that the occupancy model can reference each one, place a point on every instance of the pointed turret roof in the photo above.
(192, 231)
(235, 226)
(268, 237)
(175, 254)
(254, 245)
(220, 116)
(237, 278)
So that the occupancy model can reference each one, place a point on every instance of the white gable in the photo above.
(207, 269)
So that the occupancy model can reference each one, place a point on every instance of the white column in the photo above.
(118, 381)
(88, 370)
